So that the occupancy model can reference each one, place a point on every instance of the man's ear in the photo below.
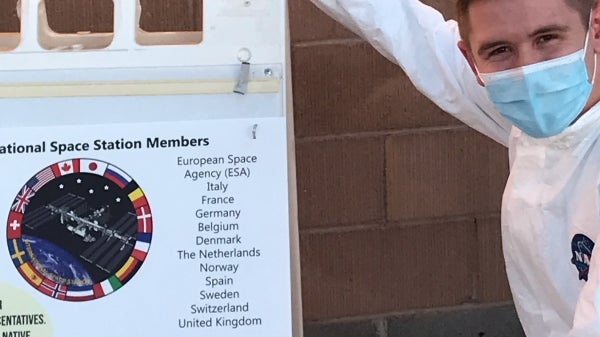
(464, 49)
(595, 27)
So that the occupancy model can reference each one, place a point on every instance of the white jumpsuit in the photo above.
(550, 208)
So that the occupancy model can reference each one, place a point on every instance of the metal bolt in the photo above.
(269, 72)
(247, 3)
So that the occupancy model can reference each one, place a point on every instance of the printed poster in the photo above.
(145, 229)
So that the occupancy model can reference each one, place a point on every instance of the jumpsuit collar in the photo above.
(585, 128)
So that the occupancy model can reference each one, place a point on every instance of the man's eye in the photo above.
(498, 52)
(546, 38)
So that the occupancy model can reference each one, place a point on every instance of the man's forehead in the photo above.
(520, 3)
(533, 9)
(518, 17)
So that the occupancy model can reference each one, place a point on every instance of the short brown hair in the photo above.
(462, 13)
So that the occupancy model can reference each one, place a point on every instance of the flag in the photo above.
(41, 179)
(142, 245)
(138, 198)
(65, 167)
(78, 294)
(107, 286)
(144, 218)
(23, 199)
(53, 289)
(127, 268)
(17, 252)
(93, 166)
(98, 292)
(117, 176)
(15, 223)
(30, 274)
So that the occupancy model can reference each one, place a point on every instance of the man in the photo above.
(523, 73)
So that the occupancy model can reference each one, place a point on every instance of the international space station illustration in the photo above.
(101, 243)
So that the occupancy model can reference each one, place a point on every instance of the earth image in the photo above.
(58, 264)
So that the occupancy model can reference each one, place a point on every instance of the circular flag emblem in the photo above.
(79, 229)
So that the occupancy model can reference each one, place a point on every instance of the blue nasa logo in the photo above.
(582, 248)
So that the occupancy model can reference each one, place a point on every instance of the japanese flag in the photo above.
(93, 166)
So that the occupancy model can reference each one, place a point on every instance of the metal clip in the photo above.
(242, 85)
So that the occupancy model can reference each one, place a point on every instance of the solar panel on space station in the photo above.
(108, 243)
(108, 252)
(43, 215)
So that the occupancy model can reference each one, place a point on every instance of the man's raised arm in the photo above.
(417, 37)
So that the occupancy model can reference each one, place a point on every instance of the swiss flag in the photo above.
(15, 222)
(66, 167)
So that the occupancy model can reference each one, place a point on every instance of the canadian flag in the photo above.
(66, 167)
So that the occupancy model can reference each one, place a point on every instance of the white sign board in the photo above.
(142, 196)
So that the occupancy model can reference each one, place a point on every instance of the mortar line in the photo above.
(400, 314)
(385, 133)
(398, 224)
(326, 42)
(476, 268)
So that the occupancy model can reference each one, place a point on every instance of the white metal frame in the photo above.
(235, 31)
(231, 28)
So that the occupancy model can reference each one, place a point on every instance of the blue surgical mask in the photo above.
(542, 99)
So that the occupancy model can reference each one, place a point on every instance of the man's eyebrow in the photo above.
(550, 29)
(542, 30)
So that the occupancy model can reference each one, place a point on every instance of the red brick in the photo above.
(446, 7)
(68, 16)
(340, 182)
(171, 15)
(493, 283)
(308, 23)
(444, 173)
(9, 22)
(351, 88)
(387, 270)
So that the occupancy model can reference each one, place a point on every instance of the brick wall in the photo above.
(399, 203)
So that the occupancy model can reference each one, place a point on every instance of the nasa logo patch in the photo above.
(582, 248)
